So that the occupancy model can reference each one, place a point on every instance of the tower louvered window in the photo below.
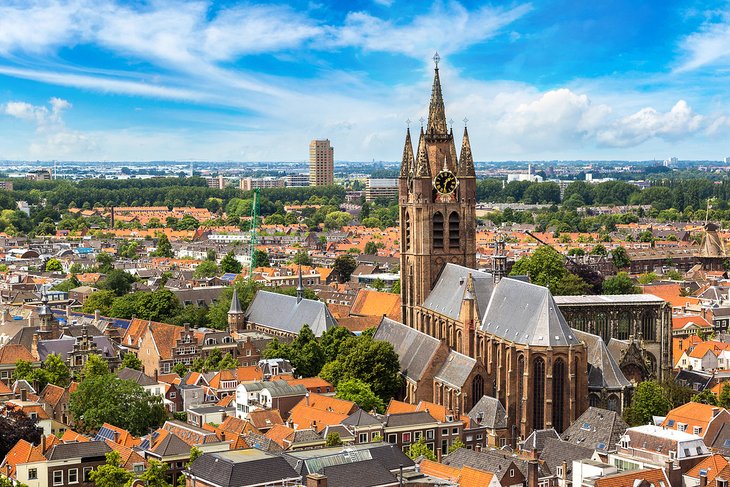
(454, 230)
(438, 230)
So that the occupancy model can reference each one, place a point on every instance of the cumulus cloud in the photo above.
(680, 122)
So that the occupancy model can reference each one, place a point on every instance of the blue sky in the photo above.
(197, 80)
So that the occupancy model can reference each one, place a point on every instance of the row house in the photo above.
(704, 420)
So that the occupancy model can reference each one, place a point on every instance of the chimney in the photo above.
(673, 474)
(68, 312)
(24, 394)
(565, 473)
(6, 316)
(316, 480)
(97, 315)
(43, 444)
(34, 347)
(306, 398)
(703, 478)
(532, 475)
(223, 436)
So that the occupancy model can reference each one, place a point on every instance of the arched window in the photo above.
(624, 326)
(538, 393)
(408, 231)
(602, 327)
(454, 230)
(579, 323)
(458, 339)
(477, 389)
(612, 403)
(438, 230)
(648, 326)
(594, 400)
(558, 394)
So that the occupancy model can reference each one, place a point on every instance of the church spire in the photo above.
(423, 167)
(466, 160)
(407, 164)
(436, 110)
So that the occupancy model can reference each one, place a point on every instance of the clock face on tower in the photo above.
(445, 182)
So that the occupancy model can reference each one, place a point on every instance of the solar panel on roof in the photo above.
(726, 444)
(601, 446)
(104, 433)
(670, 423)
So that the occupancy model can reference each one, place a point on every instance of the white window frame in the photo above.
(75, 472)
(58, 481)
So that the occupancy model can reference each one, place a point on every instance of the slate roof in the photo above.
(136, 376)
(368, 473)
(556, 451)
(603, 371)
(456, 369)
(527, 314)
(238, 468)
(493, 415)
(407, 419)
(89, 449)
(64, 346)
(282, 312)
(536, 440)
(697, 380)
(361, 418)
(415, 349)
(596, 428)
(447, 295)
(488, 461)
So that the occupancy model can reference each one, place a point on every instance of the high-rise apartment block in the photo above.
(321, 163)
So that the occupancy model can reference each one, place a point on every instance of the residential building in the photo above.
(321, 163)
(653, 446)
(247, 184)
(275, 394)
(296, 180)
(383, 189)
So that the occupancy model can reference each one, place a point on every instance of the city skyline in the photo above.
(255, 82)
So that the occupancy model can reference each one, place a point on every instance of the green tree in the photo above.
(333, 439)
(207, 268)
(54, 265)
(105, 398)
(621, 283)
(546, 267)
(261, 259)
(724, 399)
(419, 449)
(649, 400)
(164, 247)
(95, 366)
(56, 370)
(131, 361)
(180, 369)
(706, 397)
(331, 341)
(599, 249)
(307, 355)
(360, 393)
(118, 281)
(156, 474)
(104, 262)
(371, 248)
(620, 257)
(228, 362)
(647, 278)
(101, 300)
(345, 265)
(67, 285)
(457, 443)
(195, 453)
(302, 258)
(229, 264)
(570, 285)
(213, 360)
(111, 474)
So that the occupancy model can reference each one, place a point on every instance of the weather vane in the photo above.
(451, 123)
(436, 59)
(408, 122)
(421, 120)
(466, 120)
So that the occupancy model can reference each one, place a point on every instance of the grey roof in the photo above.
(312, 461)
(277, 388)
(527, 314)
(64, 346)
(556, 451)
(603, 371)
(306, 436)
(136, 376)
(697, 380)
(367, 473)
(345, 434)
(89, 449)
(596, 428)
(488, 460)
(361, 418)
(456, 369)
(447, 295)
(488, 412)
(239, 468)
(607, 299)
(286, 313)
(407, 419)
(171, 444)
(235, 303)
(415, 349)
(536, 440)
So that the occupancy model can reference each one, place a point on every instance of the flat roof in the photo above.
(602, 299)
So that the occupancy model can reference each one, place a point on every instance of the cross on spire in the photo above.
(408, 122)
(436, 58)
(451, 123)
(421, 120)
(466, 120)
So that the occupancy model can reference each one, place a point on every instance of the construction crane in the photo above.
(252, 232)
(591, 276)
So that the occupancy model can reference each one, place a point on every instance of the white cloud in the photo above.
(680, 122)
(709, 46)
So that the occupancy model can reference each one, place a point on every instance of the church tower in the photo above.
(437, 200)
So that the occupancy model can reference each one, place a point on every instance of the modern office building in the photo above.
(248, 184)
(381, 189)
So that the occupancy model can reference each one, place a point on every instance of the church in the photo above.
(508, 336)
